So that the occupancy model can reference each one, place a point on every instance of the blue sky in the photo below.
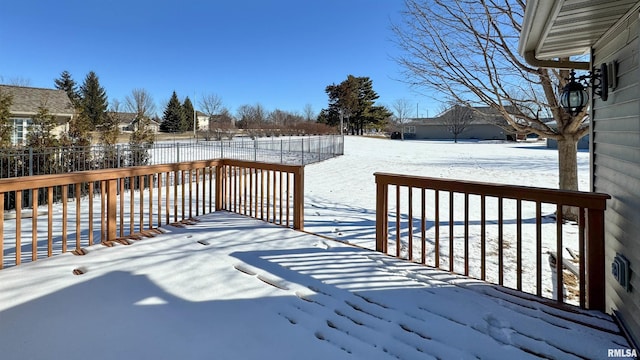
(281, 54)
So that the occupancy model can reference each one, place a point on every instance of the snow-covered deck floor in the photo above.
(231, 287)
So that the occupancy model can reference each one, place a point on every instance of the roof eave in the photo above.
(538, 17)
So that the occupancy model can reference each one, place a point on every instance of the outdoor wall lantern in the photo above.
(574, 95)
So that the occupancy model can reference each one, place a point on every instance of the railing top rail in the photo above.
(42, 181)
(589, 200)
(263, 165)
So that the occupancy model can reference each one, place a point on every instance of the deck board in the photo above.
(228, 286)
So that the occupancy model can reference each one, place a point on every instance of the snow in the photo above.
(231, 287)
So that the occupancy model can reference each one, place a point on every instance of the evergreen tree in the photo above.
(354, 100)
(39, 137)
(93, 103)
(140, 142)
(187, 107)
(66, 83)
(40, 134)
(110, 130)
(174, 117)
(6, 127)
(75, 145)
(79, 132)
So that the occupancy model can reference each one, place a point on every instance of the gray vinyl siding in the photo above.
(616, 166)
(474, 131)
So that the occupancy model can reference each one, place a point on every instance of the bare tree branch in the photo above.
(465, 52)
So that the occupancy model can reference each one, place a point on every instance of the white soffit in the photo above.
(564, 28)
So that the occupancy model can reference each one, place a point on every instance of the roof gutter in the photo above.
(531, 59)
(535, 24)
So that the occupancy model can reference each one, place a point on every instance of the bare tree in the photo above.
(308, 112)
(467, 52)
(277, 117)
(457, 119)
(401, 109)
(16, 81)
(141, 103)
(211, 105)
(251, 116)
(142, 137)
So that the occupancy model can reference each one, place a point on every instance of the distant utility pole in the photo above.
(194, 117)
(417, 110)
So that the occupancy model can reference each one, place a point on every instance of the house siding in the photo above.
(616, 165)
(474, 131)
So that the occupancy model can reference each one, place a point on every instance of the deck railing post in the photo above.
(298, 199)
(112, 195)
(595, 266)
(381, 215)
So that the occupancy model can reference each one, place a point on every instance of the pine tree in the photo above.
(93, 101)
(110, 130)
(187, 107)
(75, 145)
(40, 134)
(140, 142)
(354, 98)
(66, 83)
(174, 117)
(6, 127)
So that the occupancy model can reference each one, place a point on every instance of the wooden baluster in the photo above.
(538, 248)
(34, 224)
(451, 231)
(437, 229)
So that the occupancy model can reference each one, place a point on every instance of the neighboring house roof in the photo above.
(481, 115)
(151, 122)
(563, 28)
(129, 119)
(27, 100)
(125, 118)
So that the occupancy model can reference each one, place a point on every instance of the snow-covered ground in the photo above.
(340, 192)
(231, 287)
(340, 197)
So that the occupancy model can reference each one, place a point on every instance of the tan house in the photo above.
(128, 122)
(27, 101)
(608, 33)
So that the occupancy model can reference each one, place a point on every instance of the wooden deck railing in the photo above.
(87, 207)
(431, 221)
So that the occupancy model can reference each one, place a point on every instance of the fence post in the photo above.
(118, 156)
(302, 150)
(177, 152)
(298, 199)
(255, 150)
(595, 260)
(112, 194)
(382, 202)
(30, 161)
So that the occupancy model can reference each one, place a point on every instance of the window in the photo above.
(20, 128)
(410, 129)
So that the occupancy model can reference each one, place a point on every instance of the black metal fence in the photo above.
(294, 150)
